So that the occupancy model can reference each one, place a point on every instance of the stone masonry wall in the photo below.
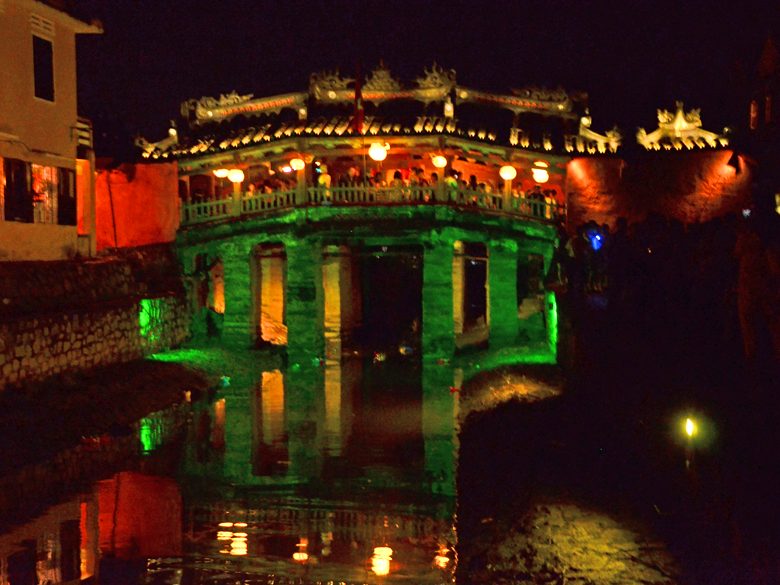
(58, 317)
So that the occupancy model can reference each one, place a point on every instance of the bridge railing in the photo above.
(203, 211)
(256, 203)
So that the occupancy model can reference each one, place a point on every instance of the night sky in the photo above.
(630, 57)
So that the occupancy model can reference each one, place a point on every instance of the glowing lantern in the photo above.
(297, 164)
(221, 174)
(441, 561)
(439, 161)
(235, 176)
(286, 169)
(689, 427)
(507, 172)
(540, 175)
(378, 152)
(539, 172)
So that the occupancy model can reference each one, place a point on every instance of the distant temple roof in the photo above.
(680, 130)
(532, 118)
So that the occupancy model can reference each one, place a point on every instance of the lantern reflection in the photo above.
(302, 556)
(441, 559)
(380, 562)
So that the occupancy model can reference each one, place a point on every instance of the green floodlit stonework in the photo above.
(145, 435)
(274, 225)
(552, 326)
(305, 233)
(185, 356)
(149, 318)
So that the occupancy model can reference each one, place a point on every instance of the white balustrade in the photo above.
(257, 203)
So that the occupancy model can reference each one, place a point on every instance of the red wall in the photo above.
(687, 186)
(139, 516)
(145, 202)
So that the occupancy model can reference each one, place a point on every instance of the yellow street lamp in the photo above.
(297, 164)
(690, 428)
(221, 173)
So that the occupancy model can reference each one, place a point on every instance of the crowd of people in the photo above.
(456, 188)
(702, 291)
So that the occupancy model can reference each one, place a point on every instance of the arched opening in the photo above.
(391, 280)
(269, 283)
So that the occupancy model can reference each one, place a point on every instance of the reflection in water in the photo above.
(140, 516)
(330, 471)
(59, 546)
(356, 459)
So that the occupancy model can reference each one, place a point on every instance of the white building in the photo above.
(46, 159)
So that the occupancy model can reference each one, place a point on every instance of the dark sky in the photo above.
(630, 57)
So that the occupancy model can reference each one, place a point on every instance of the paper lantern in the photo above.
(507, 172)
(235, 176)
(377, 152)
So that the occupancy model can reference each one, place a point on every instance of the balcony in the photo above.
(523, 206)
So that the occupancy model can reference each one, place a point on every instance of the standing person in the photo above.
(451, 187)
(323, 182)
(435, 184)
(397, 184)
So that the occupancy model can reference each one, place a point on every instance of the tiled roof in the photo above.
(530, 119)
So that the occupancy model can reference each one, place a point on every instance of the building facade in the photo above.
(46, 159)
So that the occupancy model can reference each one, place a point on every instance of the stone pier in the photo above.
(239, 309)
(438, 337)
(305, 302)
(502, 294)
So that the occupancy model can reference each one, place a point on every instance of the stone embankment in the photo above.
(58, 317)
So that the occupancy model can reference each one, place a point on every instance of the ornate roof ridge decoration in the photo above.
(542, 95)
(330, 87)
(209, 109)
(381, 81)
(436, 78)
(328, 83)
(156, 148)
(592, 142)
(679, 129)
(436, 85)
(561, 106)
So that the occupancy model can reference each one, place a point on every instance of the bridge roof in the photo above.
(528, 119)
